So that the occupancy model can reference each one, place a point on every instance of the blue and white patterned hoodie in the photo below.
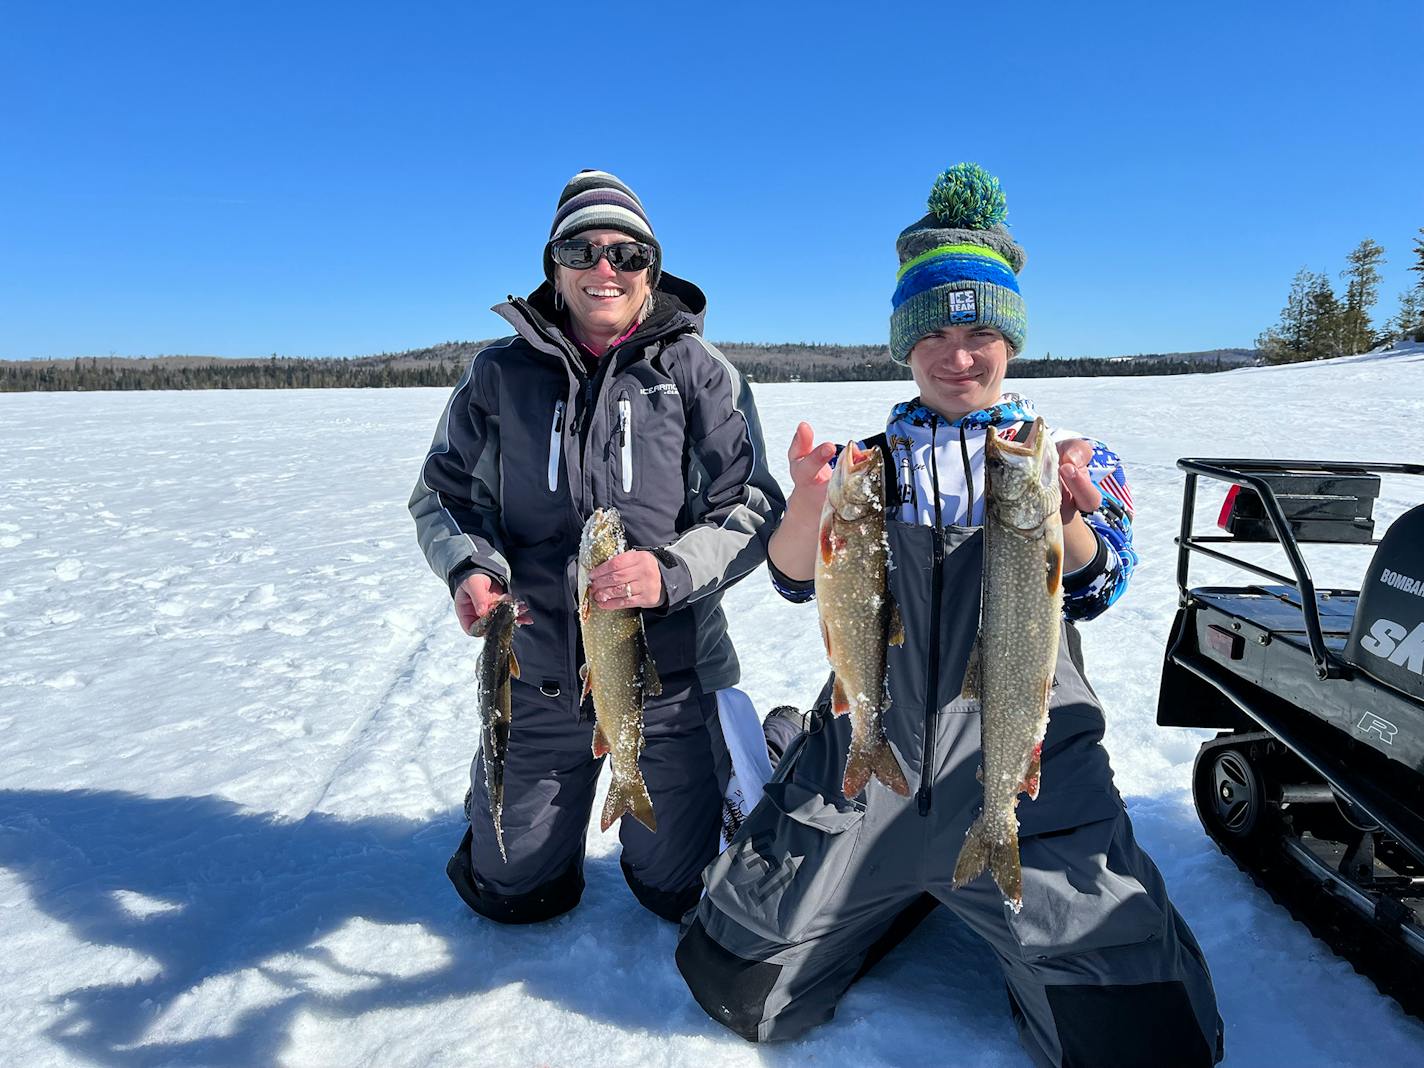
(930, 449)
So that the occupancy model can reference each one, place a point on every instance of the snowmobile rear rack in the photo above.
(1308, 508)
(1315, 785)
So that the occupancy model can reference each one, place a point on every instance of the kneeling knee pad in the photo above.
(543, 902)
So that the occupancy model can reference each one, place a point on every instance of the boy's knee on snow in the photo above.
(730, 989)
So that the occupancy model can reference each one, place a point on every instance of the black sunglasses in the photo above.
(579, 255)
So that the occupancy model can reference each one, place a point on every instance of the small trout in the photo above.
(1011, 668)
(497, 666)
(619, 674)
(859, 618)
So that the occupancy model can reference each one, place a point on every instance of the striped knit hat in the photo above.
(958, 265)
(596, 200)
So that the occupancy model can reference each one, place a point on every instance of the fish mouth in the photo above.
(1028, 447)
(856, 458)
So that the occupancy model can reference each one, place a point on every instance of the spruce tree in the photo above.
(1362, 279)
(1325, 324)
(1287, 341)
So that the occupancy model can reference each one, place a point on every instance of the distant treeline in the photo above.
(442, 365)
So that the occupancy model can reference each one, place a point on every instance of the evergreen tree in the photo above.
(1311, 324)
(1362, 279)
(1325, 323)
(1410, 320)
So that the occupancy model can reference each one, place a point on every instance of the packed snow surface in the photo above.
(236, 720)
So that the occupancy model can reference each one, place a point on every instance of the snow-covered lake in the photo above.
(236, 721)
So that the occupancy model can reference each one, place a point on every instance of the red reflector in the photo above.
(1226, 506)
(1224, 643)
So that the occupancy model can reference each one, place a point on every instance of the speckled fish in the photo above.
(1011, 669)
(619, 674)
(858, 617)
(497, 666)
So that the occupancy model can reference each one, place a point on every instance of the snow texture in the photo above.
(237, 716)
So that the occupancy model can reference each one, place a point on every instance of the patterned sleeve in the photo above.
(1089, 591)
(796, 591)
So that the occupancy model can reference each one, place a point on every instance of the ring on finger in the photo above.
(628, 590)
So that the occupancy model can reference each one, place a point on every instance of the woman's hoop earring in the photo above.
(558, 300)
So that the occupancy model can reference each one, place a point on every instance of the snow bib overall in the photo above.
(817, 886)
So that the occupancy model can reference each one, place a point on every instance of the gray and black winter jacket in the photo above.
(531, 442)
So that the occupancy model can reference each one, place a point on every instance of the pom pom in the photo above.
(967, 197)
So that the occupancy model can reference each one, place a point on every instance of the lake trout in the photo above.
(1011, 668)
(858, 616)
(497, 666)
(619, 674)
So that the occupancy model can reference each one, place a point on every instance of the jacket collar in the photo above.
(1012, 408)
(680, 307)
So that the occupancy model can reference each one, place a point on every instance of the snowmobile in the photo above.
(1315, 784)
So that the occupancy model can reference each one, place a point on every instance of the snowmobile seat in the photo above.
(1387, 640)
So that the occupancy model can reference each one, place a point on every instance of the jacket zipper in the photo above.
(625, 442)
(927, 752)
(556, 439)
(927, 765)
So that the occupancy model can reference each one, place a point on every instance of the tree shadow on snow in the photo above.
(209, 892)
(212, 894)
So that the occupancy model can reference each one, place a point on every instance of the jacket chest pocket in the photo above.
(623, 444)
(556, 441)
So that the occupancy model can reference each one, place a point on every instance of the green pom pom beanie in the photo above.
(958, 265)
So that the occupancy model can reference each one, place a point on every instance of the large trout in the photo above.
(619, 674)
(858, 617)
(497, 666)
(1011, 668)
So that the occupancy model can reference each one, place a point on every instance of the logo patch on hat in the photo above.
(963, 308)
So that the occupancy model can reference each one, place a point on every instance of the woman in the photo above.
(606, 394)
(817, 886)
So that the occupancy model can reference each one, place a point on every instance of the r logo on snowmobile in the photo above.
(1372, 724)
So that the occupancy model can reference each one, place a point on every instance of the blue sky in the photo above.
(338, 179)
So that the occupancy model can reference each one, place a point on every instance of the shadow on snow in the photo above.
(235, 891)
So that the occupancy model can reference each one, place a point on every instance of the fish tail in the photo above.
(1001, 858)
(878, 760)
(499, 837)
(629, 795)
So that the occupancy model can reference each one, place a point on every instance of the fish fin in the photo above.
(887, 770)
(585, 682)
(897, 625)
(828, 537)
(980, 852)
(840, 703)
(631, 796)
(513, 665)
(876, 760)
(586, 606)
(826, 638)
(1055, 567)
(1031, 777)
(651, 681)
(970, 687)
(600, 744)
